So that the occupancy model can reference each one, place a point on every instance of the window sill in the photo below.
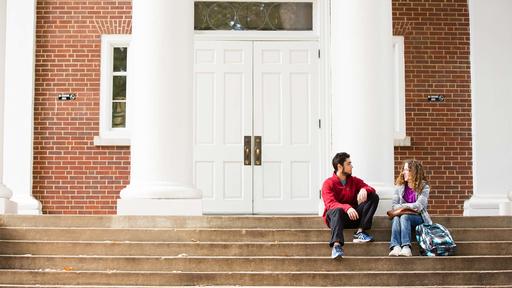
(98, 141)
(402, 142)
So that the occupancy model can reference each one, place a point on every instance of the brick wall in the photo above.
(71, 175)
(436, 37)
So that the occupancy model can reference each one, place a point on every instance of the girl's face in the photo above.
(406, 172)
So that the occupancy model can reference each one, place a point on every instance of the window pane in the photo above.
(270, 16)
(119, 88)
(119, 115)
(120, 54)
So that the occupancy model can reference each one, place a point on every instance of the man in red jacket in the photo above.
(349, 203)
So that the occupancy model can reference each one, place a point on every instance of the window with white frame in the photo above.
(399, 92)
(113, 100)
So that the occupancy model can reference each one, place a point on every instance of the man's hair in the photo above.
(339, 158)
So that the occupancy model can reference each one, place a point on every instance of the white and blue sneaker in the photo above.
(337, 252)
(362, 237)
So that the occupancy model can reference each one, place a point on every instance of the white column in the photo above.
(362, 104)
(6, 206)
(160, 112)
(491, 72)
(19, 103)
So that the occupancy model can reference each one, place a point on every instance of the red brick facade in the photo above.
(72, 176)
(436, 40)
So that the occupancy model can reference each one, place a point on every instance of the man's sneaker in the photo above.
(406, 251)
(362, 237)
(396, 251)
(337, 252)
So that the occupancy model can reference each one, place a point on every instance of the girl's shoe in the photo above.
(406, 251)
(395, 251)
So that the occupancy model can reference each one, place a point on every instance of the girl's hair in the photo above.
(417, 176)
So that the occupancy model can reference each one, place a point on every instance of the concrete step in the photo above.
(222, 235)
(255, 264)
(251, 221)
(365, 278)
(109, 248)
(238, 286)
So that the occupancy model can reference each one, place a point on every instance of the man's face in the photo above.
(347, 167)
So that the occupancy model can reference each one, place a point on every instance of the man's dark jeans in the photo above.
(339, 220)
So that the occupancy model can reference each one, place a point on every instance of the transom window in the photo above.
(265, 16)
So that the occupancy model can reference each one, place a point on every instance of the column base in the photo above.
(5, 192)
(160, 198)
(484, 206)
(505, 209)
(160, 207)
(160, 190)
(385, 193)
(28, 205)
(8, 207)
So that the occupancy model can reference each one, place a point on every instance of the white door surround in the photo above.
(320, 168)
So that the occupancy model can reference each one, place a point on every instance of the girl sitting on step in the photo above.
(411, 192)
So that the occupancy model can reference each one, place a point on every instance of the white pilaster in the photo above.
(160, 113)
(362, 110)
(19, 103)
(491, 71)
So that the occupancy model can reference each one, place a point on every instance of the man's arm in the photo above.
(360, 184)
(362, 190)
(330, 201)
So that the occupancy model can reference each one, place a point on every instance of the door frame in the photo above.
(320, 33)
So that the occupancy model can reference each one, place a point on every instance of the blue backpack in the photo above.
(435, 240)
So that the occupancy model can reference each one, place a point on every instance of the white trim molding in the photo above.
(110, 136)
(399, 91)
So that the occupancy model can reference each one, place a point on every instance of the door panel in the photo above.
(286, 115)
(222, 117)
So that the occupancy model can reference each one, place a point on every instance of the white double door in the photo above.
(256, 126)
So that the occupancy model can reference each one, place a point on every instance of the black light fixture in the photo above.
(67, 96)
(435, 98)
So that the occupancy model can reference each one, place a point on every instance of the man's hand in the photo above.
(362, 196)
(352, 214)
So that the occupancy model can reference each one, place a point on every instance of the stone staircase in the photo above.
(150, 251)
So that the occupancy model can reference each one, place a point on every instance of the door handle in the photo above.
(257, 150)
(247, 150)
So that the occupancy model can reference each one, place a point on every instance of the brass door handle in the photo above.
(247, 150)
(257, 150)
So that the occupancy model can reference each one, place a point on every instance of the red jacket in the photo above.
(337, 196)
